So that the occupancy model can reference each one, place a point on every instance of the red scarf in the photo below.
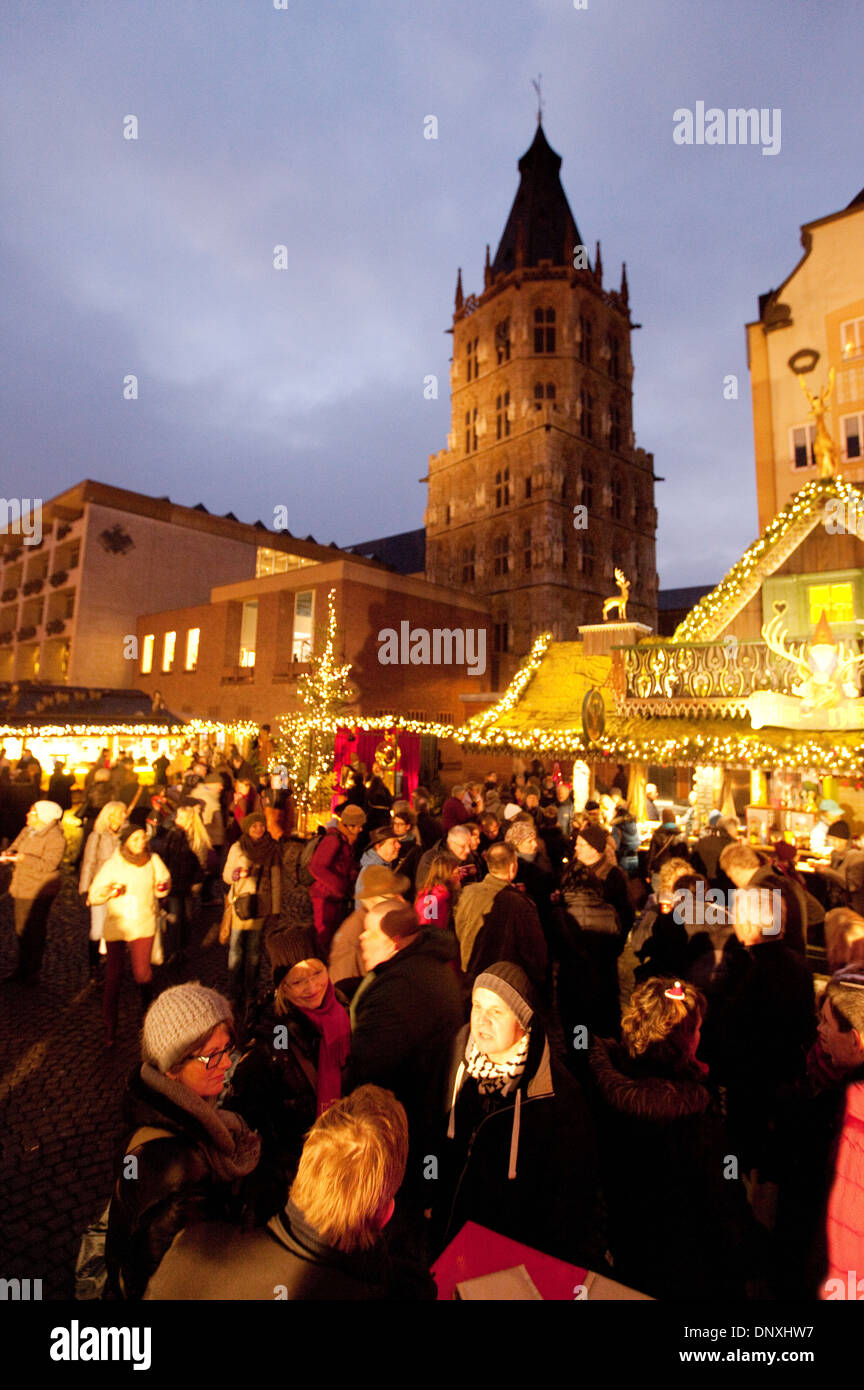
(332, 1022)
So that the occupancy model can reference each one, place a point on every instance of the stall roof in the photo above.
(31, 707)
(542, 711)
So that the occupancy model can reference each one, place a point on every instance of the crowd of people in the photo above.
(433, 1021)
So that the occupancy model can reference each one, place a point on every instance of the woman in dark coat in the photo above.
(182, 1160)
(677, 1212)
(292, 1071)
(519, 1157)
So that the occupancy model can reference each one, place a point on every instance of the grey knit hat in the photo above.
(177, 1019)
(511, 984)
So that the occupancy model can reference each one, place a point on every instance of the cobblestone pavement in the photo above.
(60, 1092)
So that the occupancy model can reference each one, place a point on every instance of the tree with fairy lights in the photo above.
(306, 739)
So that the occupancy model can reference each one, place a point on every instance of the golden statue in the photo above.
(824, 449)
(620, 599)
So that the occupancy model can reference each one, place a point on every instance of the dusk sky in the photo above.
(303, 126)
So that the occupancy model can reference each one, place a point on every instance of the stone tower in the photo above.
(541, 428)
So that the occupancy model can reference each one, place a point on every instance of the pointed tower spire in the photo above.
(541, 226)
(598, 266)
(625, 289)
(460, 298)
(487, 270)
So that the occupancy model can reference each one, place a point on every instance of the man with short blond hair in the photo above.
(326, 1245)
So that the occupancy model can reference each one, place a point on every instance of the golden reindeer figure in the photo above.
(824, 448)
(620, 599)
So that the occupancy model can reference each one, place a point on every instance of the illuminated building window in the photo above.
(192, 637)
(147, 654)
(169, 643)
(544, 330)
(853, 428)
(852, 338)
(304, 609)
(248, 633)
(836, 600)
(269, 561)
(802, 437)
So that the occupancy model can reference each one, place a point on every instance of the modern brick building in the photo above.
(541, 388)
(240, 655)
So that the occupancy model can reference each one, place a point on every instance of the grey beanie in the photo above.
(511, 984)
(177, 1019)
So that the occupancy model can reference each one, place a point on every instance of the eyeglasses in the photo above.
(215, 1058)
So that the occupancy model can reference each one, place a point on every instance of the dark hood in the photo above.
(626, 1088)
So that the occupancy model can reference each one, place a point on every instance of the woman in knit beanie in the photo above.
(183, 1159)
(300, 1038)
(519, 1152)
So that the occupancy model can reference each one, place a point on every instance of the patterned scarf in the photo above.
(496, 1076)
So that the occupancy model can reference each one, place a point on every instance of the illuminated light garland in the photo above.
(712, 612)
(93, 730)
(515, 689)
(246, 728)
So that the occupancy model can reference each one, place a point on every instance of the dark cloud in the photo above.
(304, 128)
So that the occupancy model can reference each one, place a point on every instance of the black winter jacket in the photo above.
(677, 1223)
(403, 1020)
(552, 1202)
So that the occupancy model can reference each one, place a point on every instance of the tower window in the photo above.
(542, 392)
(586, 344)
(500, 637)
(614, 356)
(502, 487)
(502, 341)
(528, 487)
(615, 429)
(502, 415)
(502, 555)
(617, 499)
(526, 549)
(588, 489)
(468, 560)
(470, 430)
(587, 556)
(586, 419)
(471, 363)
(544, 330)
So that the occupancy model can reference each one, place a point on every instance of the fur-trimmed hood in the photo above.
(627, 1086)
